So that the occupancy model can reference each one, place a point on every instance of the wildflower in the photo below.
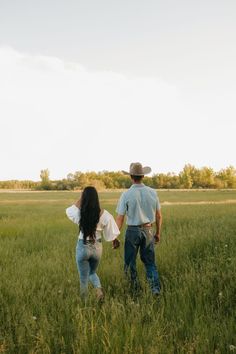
(220, 294)
(34, 318)
(232, 347)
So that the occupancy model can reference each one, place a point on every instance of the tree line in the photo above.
(189, 178)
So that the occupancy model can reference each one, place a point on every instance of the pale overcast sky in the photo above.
(95, 85)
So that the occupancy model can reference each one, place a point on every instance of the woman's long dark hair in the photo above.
(89, 213)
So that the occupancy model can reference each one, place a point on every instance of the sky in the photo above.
(95, 85)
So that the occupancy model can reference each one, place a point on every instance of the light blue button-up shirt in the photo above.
(139, 203)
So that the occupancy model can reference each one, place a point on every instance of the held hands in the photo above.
(115, 243)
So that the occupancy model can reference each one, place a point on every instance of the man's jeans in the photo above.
(87, 258)
(140, 238)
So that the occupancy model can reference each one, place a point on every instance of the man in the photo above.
(141, 206)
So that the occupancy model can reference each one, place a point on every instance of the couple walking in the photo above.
(140, 205)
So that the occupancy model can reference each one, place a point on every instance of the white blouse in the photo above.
(106, 225)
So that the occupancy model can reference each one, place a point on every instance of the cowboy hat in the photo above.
(136, 169)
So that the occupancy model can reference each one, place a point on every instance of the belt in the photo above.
(148, 224)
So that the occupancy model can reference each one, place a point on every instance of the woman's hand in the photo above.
(78, 203)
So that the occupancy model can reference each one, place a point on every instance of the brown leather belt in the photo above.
(142, 225)
(148, 224)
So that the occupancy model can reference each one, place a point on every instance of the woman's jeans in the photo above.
(87, 258)
(140, 238)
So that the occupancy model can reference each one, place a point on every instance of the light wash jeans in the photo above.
(87, 258)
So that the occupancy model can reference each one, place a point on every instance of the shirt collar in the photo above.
(137, 185)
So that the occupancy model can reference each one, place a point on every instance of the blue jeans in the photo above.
(87, 258)
(141, 239)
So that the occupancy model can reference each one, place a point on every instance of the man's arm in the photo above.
(120, 221)
(120, 213)
(157, 235)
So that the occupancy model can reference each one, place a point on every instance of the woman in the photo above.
(93, 222)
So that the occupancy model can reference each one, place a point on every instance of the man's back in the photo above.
(139, 204)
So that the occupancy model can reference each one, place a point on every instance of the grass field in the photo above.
(40, 308)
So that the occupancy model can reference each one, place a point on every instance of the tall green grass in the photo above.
(40, 307)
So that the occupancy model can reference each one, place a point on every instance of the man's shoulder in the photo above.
(127, 191)
(150, 189)
(152, 192)
(123, 195)
(127, 194)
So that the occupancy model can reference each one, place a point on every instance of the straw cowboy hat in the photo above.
(136, 169)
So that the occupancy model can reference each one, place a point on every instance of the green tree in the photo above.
(185, 177)
(206, 178)
(45, 181)
(228, 177)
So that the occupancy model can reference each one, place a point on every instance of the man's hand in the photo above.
(115, 243)
(157, 238)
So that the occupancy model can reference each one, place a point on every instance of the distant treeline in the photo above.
(189, 177)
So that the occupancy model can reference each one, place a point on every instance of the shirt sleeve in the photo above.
(73, 213)
(158, 204)
(110, 228)
(121, 206)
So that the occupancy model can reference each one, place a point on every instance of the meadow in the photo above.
(40, 307)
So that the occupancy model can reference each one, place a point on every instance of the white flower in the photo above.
(232, 347)
(34, 318)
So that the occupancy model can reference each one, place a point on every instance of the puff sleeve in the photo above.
(110, 228)
(73, 213)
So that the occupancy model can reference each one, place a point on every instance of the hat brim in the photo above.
(125, 172)
(146, 171)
